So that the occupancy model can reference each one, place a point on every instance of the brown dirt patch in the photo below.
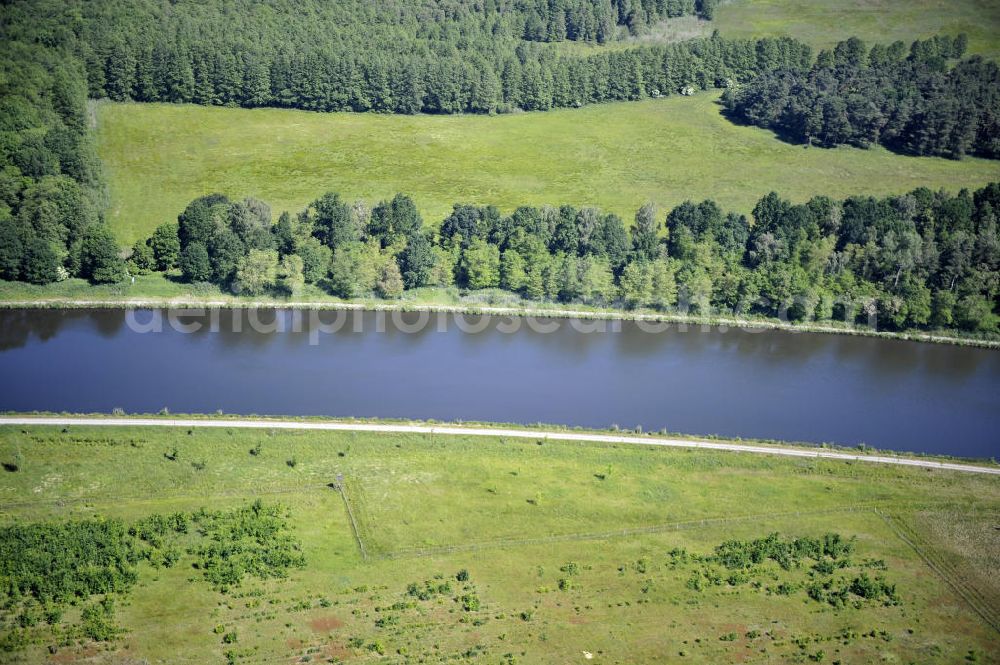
(325, 624)
(743, 644)
(337, 651)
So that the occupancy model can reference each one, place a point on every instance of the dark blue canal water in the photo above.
(763, 384)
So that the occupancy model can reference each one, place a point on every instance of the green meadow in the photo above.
(822, 23)
(569, 549)
(158, 157)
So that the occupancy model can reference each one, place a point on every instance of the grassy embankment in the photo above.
(462, 503)
(158, 157)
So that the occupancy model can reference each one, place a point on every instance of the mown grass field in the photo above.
(625, 601)
(159, 157)
(822, 23)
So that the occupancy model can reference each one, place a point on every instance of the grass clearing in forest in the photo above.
(158, 157)
(822, 23)
(642, 598)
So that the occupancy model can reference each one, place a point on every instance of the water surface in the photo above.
(762, 384)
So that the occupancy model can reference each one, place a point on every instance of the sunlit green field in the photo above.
(615, 156)
(515, 513)
(822, 23)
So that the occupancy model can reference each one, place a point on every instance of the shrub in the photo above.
(29, 616)
(785, 589)
(55, 564)
(428, 590)
(16, 463)
(786, 553)
(53, 615)
(387, 620)
(823, 567)
(98, 621)
(876, 589)
(737, 579)
(250, 541)
(572, 568)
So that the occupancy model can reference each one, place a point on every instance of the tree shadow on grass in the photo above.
(779, 133)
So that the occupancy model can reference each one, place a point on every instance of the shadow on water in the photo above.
(19, 326)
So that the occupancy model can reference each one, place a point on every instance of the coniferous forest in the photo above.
(922, 102)
(401, 57)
